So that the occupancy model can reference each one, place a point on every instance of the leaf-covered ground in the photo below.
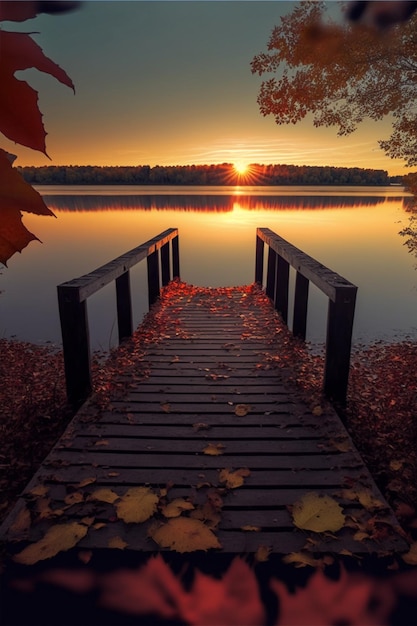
(380, 413)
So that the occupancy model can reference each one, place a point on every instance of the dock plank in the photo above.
(213, 376)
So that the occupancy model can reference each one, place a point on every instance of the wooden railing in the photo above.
(341, 309)
(72, 300)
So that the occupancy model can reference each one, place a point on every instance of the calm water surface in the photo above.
(354, 231)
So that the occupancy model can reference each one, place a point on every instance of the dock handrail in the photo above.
(72, 301)
(341, 309)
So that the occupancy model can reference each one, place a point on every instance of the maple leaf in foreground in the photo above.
(15, 196)
(20, 118)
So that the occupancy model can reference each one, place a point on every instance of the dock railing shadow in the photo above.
(162, 265)
(341, 308)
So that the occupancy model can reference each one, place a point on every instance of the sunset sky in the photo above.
(169, 83)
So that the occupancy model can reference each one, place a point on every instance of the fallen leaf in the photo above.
(166, 407)
(200, 426)
(317, 411)
(74, 498)
(21, 523)
(242, 409)
(343, 445)
(396, 464)
(262, 553)
(104, 495)
(318, 513)
(251, 528)
(410, 557)
(101, 442)
(117, 542)
(176, 507)
(86, 481)
(214, 449)
(233, 479)
(39, 491)
(57, 539)
(184, 534)
(137, 505)
(365, 497)
(85, 556)
(304, 558)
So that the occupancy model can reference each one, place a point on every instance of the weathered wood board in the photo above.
(209, 382)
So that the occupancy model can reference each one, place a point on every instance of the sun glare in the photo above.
(241, 168)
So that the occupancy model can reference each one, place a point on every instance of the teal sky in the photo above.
(170, 83)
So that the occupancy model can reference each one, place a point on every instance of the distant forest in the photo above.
(224, 174)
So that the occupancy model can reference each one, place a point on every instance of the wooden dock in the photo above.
(208, 402)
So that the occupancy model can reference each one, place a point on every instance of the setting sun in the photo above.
(241, 168)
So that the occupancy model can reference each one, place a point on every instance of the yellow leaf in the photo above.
(214, 449)
(57, 539)
(318, 513)
(176, 507)
(396, 464)
(86, 481)
(317, 411)
(233, 479)
(21, 523)
(39, 491)
(208, 514)
(250, 528)
(343, 445)
(304, 558)
(410, 557)
(101, 442)
(365, 497)
(137, 505)
(117, 542)
(184, 534)
(74, 498)
(242, 409)
(104, 495)
(262, 553)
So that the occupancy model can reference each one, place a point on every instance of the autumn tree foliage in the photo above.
(21, 121)
(341, 75)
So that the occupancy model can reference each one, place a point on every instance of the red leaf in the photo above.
(20, 118)
(16, 196)
(20, 11)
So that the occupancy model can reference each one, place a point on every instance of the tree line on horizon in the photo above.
(221, 174)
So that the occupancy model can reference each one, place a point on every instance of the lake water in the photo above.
(354, 231)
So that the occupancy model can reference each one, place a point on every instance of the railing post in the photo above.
(271, 273)
(165, 264)
(76, 344)
(124, 306)
(259, 260)
(175, 257)
(299, 323)
(338, 343)
(281, 287)
(153, 277)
